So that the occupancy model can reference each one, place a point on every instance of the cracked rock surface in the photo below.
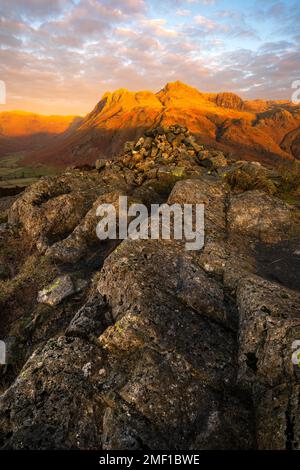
(155, 346)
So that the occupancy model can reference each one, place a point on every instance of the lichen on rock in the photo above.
(141, 343)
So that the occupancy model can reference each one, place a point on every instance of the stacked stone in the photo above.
(172, 147)
(160, 146)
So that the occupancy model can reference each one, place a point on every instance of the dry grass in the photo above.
(289, 174)
(284, 183)
(245, 181)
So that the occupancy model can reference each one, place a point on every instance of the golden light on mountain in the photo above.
(249, 129)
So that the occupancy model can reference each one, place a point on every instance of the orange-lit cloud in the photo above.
(60, 56)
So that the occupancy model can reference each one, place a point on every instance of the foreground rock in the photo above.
(52, 389)
(171, 354)
(168, 361)
(269, 324)
(258, 215)
(58, 290)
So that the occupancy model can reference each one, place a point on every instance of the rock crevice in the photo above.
(161, 347)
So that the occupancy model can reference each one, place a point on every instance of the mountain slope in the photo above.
(20, 130)
(248, 129)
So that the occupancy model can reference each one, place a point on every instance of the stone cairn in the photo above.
(173, 147)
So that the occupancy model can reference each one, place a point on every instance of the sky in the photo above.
(60, 56)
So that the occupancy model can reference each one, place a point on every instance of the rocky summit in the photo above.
(267, 131)
(142, 344)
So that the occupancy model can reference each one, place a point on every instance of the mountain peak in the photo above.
(115, 95)
(229, 100)
(178, 91)
(222, 119)
(179, 87)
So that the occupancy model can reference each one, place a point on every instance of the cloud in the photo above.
(276, 46)
(7, 40)
(284, 14)
(60, 56)
(203, 2)
(183, 12)
(203, 21)
(32, 9)
(157, 27)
